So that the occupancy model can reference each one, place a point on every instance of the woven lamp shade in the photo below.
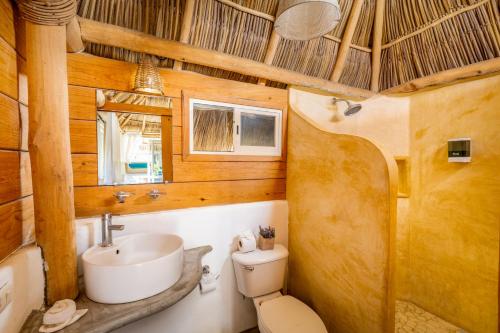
(306, 19)
(147, 78)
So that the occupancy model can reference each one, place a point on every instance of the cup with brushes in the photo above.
(266, 238)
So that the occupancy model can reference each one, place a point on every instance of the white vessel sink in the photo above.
(135, 267)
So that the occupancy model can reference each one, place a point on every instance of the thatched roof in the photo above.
(419, 38)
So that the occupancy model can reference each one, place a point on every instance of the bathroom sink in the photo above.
(135, 267)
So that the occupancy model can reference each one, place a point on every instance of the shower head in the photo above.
(351, 108)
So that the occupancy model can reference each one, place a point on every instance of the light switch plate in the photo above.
(5, 296)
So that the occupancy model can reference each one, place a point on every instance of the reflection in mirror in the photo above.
(129, 148)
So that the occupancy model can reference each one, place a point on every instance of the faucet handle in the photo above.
(155, 193)
(121, 196)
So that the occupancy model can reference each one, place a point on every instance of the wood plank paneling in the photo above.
(176, 112)
(9, 123)
(24, 118)
(10, 176)
(166, 146)
(83, 136)
(22, 81)
(84, 169)
(11, 227)
(82, 104)
(8, 72)
(25, 174)
(92, 201)
(92, 71)
(209, 171)
(195, 183)
(7, 22)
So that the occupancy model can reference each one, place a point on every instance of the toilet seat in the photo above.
(287, 314)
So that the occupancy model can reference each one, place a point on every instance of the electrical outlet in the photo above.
(5, 296)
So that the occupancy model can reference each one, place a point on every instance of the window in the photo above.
(229, 129)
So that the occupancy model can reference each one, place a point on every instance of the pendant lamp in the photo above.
(147, 78)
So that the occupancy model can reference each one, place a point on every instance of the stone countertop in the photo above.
(103, 318)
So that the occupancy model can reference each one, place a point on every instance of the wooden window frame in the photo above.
(186, 125)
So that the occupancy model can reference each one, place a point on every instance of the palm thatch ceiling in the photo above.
(420, 37)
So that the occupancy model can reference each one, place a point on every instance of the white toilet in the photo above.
(261, 275)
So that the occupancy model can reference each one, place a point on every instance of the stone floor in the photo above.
(411, 318)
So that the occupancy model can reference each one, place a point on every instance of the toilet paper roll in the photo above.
(208, 283)
(247, 242)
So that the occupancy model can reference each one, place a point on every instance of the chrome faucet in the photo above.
(107, 229)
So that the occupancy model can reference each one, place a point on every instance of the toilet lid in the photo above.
(287, 314)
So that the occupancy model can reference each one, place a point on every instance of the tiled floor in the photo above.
(411, 318)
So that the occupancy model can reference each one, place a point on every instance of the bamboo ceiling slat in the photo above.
(402, 17)
(357, 70)
(161, 18)
(461, 40)
(345, 9)
(363, 32)
(269, 7)
(223, 28)
(315, 57)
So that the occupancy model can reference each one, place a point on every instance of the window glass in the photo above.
(213, 128)
(257, 130)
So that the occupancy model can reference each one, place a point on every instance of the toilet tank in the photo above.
(260, 272)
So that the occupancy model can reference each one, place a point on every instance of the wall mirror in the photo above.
(132, 130)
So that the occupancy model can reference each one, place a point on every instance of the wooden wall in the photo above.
(194, 183)
(16, 200)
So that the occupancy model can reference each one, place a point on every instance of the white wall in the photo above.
(223, 310)
(383, 120)
(23, 272)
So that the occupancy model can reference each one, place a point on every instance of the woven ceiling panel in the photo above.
(358, 69)
(405, 16)
(363, 32)
(161, 18)
(315, 57)
(458, 41)
(223, 28)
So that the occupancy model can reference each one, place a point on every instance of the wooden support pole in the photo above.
(74, 43)
(346, 40)
(112, 35)
(187, 19)
(272, 46)
(378, 27)
(49, 148)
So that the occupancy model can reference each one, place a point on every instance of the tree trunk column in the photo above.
(49, 148)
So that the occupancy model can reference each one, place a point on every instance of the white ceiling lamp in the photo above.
(306, 19)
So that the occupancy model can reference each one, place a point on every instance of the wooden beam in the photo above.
(446, 77)
(49, 149)
(378, 27)
(187, 19)
(346, 40)
(248, 10)
(272, 46)
(74, 43)
(112, 35)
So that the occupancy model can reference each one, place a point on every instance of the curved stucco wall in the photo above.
(341, 191)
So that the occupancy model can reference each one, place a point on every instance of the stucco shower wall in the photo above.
(341, 192)
(455, 207)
